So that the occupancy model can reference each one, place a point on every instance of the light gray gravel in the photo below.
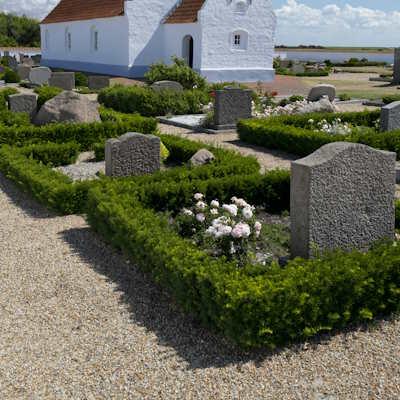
(83, 171)
(79, 322)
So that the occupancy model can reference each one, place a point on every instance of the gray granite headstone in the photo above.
(63, 80)
(390, 117)
(23, 103)
(396, 67)
(342, 197)
(319, 91)
(37, 58)
(40, 75)
(231, 105)
(167, 85)
(23, 71)
(133, 154)
(97, 82)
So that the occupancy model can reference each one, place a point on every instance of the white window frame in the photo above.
(239, 40)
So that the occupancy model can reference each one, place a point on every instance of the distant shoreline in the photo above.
(376, 50)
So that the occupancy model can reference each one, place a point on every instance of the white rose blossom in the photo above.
(201, 205)
(198, 196)
(214, 204)
(187, 212)
(247, 213)
(200, 217)
(231, 208)
(241, 230)
(214, 211)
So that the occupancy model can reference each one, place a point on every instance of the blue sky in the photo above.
(324, 22)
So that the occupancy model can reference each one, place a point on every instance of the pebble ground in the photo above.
(78, 321)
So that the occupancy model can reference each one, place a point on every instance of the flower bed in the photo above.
(300, 134)
(251, 304)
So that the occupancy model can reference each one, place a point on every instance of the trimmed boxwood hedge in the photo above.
(31, 168)
(113, 125)
(252, 306)
(290, 133)
(150, 103)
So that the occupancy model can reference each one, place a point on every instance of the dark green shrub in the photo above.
(267, 307)
(81, 79)
(344, 97)
(391, 98)
(52, 154)
(84, 134)
(178, 71)
(11, 76)
(147, 102)
(46, 93)
(9, 118)
(293, 134)
(4, 94)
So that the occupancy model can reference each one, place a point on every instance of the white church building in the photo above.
(224, 40)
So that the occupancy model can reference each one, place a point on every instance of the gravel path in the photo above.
(268, 159)
(79, 322)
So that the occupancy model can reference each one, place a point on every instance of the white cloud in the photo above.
(333, 24)
(33, 8)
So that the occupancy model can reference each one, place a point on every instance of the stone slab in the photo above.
(231, 105)
(390, 117)
(23, 71)
(40, 76)
(167, 85)
(396, 67)
(23, 103)
(63, 80)
(342, 197)
(97, 82)
(319, 91)
(133, 154)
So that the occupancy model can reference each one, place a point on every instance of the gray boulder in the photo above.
(322, 105)
(70, 107)
(319, 91)
(167, 85)
(202, 157)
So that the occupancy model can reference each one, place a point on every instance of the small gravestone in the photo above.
(97, 82)
(396, 67)
(23, 103)
(27, 61)
(13, 63)
(23, 71)
(231, 105)
(342, 197)
(167, 85)
(202, 157)
(298, 68)
(319, 91)
(133, 154)
(390, 117)
(40, 76)
(37, 58)
(63, 80)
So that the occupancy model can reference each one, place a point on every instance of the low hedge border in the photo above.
(31, 168)
(289, 133)
(253, 307)
(113, 125)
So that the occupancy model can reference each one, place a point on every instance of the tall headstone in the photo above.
(396, 66)
(23, 72)
(40, 75)
(390, 117)
(231, 105)
(63, 80)
(167, 85)
(342, 197)
(23, 103)
(97, 82)
(133, 154)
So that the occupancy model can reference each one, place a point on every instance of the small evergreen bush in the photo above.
(10, 76)
(46, 93)
(178, 71)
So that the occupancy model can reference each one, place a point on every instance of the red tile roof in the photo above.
(77, 10)
(186, 12)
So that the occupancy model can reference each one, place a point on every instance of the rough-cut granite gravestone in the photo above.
(202, 157)
(37, 58)
(390, 117)
(231, 105)
(342, 196)
(319, 91)
(63, 80)
(23, 103)
(167, 85)
(40, 75)
(396, 67)
(69, 107)
(23, 71)
(133, 154)
(97, 82)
